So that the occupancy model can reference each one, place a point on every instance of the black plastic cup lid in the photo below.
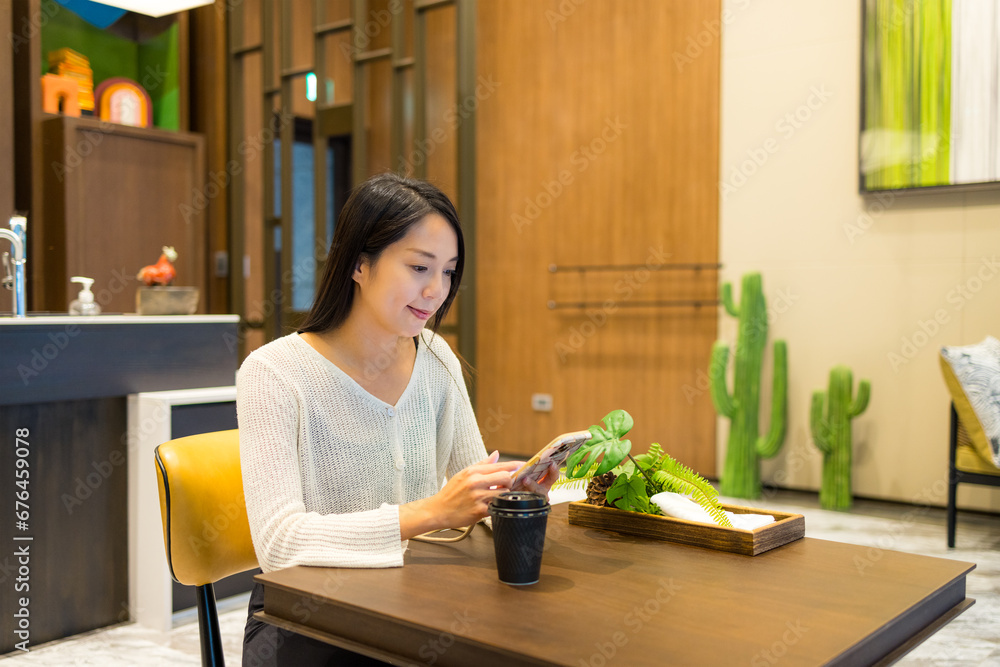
(519, 500)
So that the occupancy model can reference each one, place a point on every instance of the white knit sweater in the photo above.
(326, 464)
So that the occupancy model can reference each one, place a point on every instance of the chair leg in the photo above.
(952, 510)
(952, 477)
(208, 628)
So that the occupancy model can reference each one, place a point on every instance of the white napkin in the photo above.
(680, 506)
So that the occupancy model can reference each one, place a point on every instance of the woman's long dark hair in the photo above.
(378, 213)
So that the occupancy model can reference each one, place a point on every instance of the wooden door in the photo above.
(597, 153)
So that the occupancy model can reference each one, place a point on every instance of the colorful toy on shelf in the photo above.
(60, 94)
(161, 273)
(741, 472)
(123, 101)
(832, 434)
(76, 66)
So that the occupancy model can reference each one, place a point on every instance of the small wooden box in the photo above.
(786, 528)
(160, 300)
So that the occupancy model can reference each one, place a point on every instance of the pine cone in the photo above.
(598, 487)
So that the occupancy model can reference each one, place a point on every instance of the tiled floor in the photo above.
(971, 639)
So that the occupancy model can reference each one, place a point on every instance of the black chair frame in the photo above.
(956, 477)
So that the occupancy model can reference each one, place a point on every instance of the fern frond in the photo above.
(564, 482)
(656, 451)
(697, 480)
(649, 460)
(676, 477)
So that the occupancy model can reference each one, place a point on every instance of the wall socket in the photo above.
(221, 258)
(541, 402)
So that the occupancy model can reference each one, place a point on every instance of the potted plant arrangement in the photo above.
(622, 495)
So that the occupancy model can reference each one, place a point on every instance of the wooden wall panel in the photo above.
(6, 122)
(440, 150)
(256, 132)
(251, 22)
(378, 74)
(378, 114)
(440, 113)
(339, 66)
(303, 20)
(593, 148)
(209, 117)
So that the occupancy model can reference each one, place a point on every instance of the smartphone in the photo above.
(557, 451)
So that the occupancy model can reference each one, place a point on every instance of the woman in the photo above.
(349, 426)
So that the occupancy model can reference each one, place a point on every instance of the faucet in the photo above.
(18, 236)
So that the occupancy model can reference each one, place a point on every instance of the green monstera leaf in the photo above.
(628, 492)
(607, 442)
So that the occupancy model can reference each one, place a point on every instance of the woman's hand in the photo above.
(543, 486)
(464, 499)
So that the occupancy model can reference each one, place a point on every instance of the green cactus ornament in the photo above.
(832, 434)
(741, 472)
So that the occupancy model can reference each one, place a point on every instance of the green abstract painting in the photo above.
(930, 112)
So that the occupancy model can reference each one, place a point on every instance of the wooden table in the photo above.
(606, 598)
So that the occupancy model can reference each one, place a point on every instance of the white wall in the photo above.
(853, 276)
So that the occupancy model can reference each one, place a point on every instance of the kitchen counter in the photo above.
(60, 357)
(64, 383)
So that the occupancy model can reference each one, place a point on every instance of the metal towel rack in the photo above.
(659, 303)
(583, 268)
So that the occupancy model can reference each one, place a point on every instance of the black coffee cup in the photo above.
(519, 519)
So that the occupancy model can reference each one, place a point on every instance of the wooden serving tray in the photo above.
(786, 528)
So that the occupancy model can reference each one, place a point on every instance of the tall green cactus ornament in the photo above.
(741, 472)
(832, 434)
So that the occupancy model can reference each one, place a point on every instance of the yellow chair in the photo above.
(970, 460)
(205, 527)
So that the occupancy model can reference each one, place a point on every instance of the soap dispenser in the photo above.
(84, 304)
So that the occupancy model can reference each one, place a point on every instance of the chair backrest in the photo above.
(966, 413)
(205, 527)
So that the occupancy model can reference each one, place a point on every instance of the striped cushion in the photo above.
(977, 369)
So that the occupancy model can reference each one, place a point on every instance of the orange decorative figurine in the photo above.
(161, 273)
